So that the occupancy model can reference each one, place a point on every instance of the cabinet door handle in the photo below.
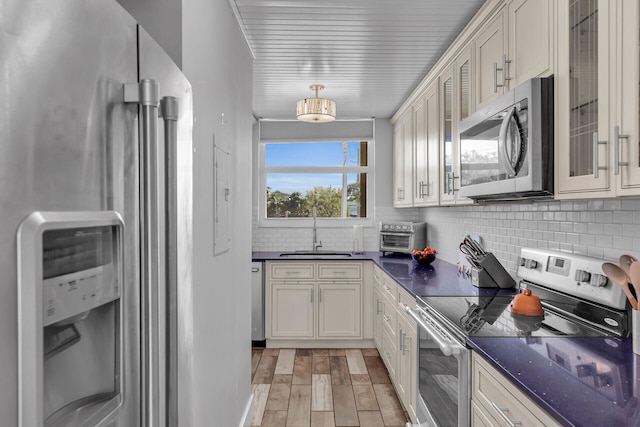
(400, 193)
(596, 166)
(501, 411)
(616, 150)
(378, 310)
(450, 183)
(401, 341)
(503, 70)
(311, 294)
(421, 193)
(505, 74)
(319, 295)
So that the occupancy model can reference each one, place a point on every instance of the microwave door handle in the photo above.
(505, 159)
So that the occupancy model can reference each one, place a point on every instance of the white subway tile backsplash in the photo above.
(630, 205)
(596, 205)
(612, 229)
(597, 228)
(612, 205)
(623, 217)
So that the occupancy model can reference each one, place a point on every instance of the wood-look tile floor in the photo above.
(323, 388)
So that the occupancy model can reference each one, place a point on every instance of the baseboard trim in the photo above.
(247, 416)
(284, 343)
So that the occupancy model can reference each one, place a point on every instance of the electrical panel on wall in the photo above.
(221, 200)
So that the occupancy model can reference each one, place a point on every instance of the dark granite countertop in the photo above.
(556, 373)
(546, 369)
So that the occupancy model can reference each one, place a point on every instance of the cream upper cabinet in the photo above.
(449, 113)
(529, 40)
(490, 48)
(597, 116)
(516, 45)
(627, 124)
(403, 160)
(426, 148)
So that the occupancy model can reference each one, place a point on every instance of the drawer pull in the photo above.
(386, 318)
(504, 416)
(387, 288)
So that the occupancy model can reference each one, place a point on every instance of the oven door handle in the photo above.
(447, 348)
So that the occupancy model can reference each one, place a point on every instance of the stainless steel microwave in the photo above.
(506, 148)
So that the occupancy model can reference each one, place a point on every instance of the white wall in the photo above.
(334, 238)
(218, 64)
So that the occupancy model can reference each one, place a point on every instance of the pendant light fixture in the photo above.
(316, 110)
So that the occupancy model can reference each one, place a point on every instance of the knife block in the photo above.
(481, 279)
(500, 276)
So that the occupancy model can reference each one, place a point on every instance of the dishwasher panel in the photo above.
(257, 303)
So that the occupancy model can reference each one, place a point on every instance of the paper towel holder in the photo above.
(358, 239)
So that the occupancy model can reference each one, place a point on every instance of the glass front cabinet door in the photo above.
(596, 88)
(455, 101)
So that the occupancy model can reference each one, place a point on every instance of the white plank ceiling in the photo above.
(369, 54)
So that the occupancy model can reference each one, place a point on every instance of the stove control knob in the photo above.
(599, 280)
(601, 380)
(586, 370)
(582, 276)
(530, 264)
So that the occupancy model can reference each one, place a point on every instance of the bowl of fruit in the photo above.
(424, 257)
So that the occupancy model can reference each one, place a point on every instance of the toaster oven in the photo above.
(402, 237)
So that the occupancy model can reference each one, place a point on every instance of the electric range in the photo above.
(577, 298)
(578, 301)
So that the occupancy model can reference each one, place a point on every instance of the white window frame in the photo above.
(263, 221)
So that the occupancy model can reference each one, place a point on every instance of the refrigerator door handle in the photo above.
(169, 111)
(152, 245)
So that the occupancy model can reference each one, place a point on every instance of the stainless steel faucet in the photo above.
(316, 245)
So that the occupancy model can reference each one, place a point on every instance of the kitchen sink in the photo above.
(317, 254)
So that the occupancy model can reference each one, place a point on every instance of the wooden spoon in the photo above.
(626, 261)
(634, 275)
(617, 275)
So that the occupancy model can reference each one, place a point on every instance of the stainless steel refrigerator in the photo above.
(95, 211)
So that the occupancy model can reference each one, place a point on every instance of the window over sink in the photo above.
(332, 176)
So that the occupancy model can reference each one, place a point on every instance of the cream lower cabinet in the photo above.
(396, 337)
(292, 310)
(377, 307)
(339, 310)
(497, 402)
(314, 300)
(407, 381)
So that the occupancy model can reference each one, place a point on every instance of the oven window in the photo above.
(396, 241)
(438, 381)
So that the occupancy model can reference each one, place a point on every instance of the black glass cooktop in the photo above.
(482, 316)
